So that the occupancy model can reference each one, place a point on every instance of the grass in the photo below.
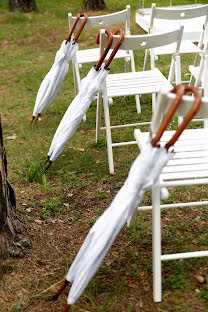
(60, 207)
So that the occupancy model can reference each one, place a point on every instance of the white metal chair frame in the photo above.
(178, 15)
(200, 73)
(143, 82)
(189, 166)
(93, 55)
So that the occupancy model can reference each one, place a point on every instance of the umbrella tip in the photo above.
(33, 117)
(37, 117)
(48, 165)
(55, 297)
(67, 307)
(47, 159)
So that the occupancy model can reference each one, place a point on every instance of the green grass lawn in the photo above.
(60, 207)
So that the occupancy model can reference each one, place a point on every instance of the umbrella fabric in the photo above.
(89, 88)
(142, 175)
(53, 80)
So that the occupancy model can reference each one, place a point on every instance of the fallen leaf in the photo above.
(199, 278)
(9, 299)
(38, 221)
(11, 137)
(70, 194)
(81, 149)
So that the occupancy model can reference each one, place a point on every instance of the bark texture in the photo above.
(93, 5)
(12, 231)
(22, 5)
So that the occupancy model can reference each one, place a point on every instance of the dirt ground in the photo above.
(27, 284)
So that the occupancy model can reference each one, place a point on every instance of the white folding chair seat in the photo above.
(189, 166)
(148, 81)
(134, 83)
(93, 55)
(178, 15)
(185, 48)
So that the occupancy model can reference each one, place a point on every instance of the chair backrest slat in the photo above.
(165, 99)
(141, 42)
(103, 21)
(179, 13)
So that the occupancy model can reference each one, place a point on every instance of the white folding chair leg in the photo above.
(156, 245)
(199, 77)
(132, 218)
(205, 84)
(154, 101)
(177, 65)
(133, 69)
(98, 115)
(126, 64)
(108, 132)
(178, 69)
(75, 80)
(76, 75)
(146, 59)
(172, 71)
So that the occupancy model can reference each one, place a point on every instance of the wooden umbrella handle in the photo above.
(73, 27)
(180, 90)
(81, 27)
(107, 48)
(119, 43)
(195, 107)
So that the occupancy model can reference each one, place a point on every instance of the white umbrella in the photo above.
(89, 88)
(54, 78)
(144, 173)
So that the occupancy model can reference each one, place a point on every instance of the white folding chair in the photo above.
(93, 55)
(189, 166)
(135, 83)
(184, 16)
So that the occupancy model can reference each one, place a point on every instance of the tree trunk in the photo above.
(22, 5)
(12, 231)
(93, 5)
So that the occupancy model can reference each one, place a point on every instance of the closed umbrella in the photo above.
(143, 174)
(54, 78)
(89, 88)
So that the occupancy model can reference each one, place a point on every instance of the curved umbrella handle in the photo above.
(107, 48)
(73, 27)
(180, 90)
(81, 27)
(119, 43)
